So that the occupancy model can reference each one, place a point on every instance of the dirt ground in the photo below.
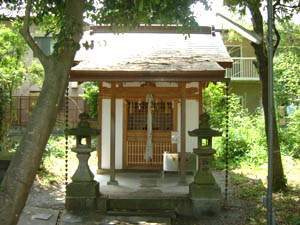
(237, 211)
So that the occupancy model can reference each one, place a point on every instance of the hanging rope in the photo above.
(148, 153)
(226, 141)
(66, 136)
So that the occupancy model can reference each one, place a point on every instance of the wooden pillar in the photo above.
(112, 180)
(182, 180)
(200, 98)
(99, 150)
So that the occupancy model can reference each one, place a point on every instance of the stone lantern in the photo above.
(204, 191)
(83, 191)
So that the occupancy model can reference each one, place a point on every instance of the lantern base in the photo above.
(81, 189)
(206, 199)
(82, 195)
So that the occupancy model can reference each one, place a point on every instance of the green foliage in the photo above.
(124, 14)
(214, 103)
(250, 182)
(35, 74)
(247, 142)
(287, 80)
(290, 136)
(290, 37)
(12, 50)
(91, 90)
(55, 147)
(13, 73)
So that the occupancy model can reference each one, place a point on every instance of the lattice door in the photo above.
(164, 121)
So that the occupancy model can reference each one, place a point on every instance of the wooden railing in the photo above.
(242, 69)
(136, 153)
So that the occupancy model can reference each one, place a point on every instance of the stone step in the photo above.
(142, 213)
(105, 219)
(146, 204)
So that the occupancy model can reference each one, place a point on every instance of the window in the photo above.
(234, 51)
(45, 43)
(162, 115)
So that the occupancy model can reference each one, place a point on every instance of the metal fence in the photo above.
(23, 106)
(242, 69)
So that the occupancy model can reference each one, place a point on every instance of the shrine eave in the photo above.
(154, 76)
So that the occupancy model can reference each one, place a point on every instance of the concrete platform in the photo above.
(144, 185)
(98, 219)
(38, 216)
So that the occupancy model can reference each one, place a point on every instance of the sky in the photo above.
(209, 18)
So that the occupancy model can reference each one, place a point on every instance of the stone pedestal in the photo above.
(204, 191)
(83, 191)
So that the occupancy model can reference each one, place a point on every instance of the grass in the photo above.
(53, 168)
(251, 182)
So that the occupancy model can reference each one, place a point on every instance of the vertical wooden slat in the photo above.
(99, 150)
(200, 98)
(112, 180)
(125, 130)
(135, 151)
(183, 130)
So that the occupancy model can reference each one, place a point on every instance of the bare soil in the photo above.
(236, 211)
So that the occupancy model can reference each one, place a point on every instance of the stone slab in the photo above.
(148, 183)
(204, 191)
(204, 177)
(80, 189)
(206, 207)
(78, 204)
(38, 216)
(98, 219)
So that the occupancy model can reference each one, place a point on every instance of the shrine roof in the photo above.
(151, 55)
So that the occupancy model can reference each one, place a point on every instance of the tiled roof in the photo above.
(151, 52)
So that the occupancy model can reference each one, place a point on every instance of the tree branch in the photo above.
(275, 28)
(28, 38)
(277, 38)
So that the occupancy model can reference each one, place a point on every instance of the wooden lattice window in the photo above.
(162, 115)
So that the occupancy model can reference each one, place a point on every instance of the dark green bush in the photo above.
(247, 142)
(91, 90)
(290, 136)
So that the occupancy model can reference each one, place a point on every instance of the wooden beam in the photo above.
(200, 98)
(152, 76)
(112, 180)
(252, 36)
(152, 29)
(182, 180)
(157, 92)
(125, 130)
(99, 150)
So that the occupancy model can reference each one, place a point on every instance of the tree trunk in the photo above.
(278, 178)
(261, 53)
(21, 173)
(22, 170)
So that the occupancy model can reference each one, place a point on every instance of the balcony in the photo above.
(242, 69)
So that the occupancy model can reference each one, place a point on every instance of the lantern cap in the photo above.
(204, 130)
(83, 129)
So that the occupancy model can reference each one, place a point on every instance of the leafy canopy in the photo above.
(121, 15)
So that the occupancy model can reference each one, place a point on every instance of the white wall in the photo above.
(105, 131)
(119, 134)
(105, 158)
(191, 121)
